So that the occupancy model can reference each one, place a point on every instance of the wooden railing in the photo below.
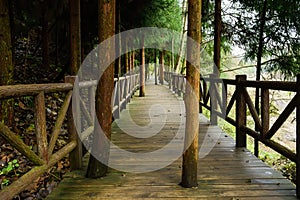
(214, 97)
(177, 82)
(44, 158)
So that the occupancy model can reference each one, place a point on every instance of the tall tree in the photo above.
(190, 156)
(75, 36)
(45, 34)
(106, 14)
(6, 63)
(75, 62)
(183, 33)
(217, 37)
(161, 66)
(142, 68)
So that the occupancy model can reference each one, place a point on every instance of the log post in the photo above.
(241, 138)
(118, 96)
(200, 96)
(173, 82)
(265, 117)
(213, 99)
(40, 126)
(298, 138)
(169, 79)
(76, 155)
(224, 99)
(91, 92)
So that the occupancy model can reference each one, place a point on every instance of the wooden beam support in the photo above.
(76, 154)
(282, 118)
(40, 126)
(241, 139)
(18, 144)
(22, 183)
(59, 122)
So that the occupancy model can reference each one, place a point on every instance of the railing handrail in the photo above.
(46, 158)
(263, 132)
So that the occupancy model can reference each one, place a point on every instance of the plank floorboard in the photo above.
(224, 172)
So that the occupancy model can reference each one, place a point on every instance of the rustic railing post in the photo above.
(200, 95)
(224, 99)
(213, 99)
(241, 139)
(76, 154)
(91, 93)
(173, 83)
(169, 79)
(265, 117)
(118, 97)
(179, 88)
(298, 138)
(126, 89)
(40, 126)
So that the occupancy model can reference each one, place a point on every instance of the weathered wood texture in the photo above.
(226, 172)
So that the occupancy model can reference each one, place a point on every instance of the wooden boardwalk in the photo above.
(224, 173)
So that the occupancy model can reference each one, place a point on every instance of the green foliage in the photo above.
(11, 167)
(281, 39)
(162, 14)
(5, 182)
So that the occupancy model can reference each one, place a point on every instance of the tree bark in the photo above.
(161, 67)
(132, 62)
(142, 70)
(6, 62)
(75, 36)
(45, 35)
(190, 156)
(217, 38)
(155, 66)
(118, 39)
(259, 62)
(104, 93)
(184, 19)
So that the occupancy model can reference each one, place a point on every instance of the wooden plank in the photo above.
(226, 172)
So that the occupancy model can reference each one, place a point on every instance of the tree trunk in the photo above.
(118, 39)
(258, 65)
(142, 69)
(161, 67)
(45, 35)
(184, 19)
(217, 38)
(104, 93)
(155, 66)
(6, 63)
(132, 61)
(75, 62)
(190, 156)
(75, 36)
(127, 67)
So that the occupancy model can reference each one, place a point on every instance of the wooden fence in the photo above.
(214, 97)
(44, 158)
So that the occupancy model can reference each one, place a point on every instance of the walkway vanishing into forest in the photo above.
(226, 172)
